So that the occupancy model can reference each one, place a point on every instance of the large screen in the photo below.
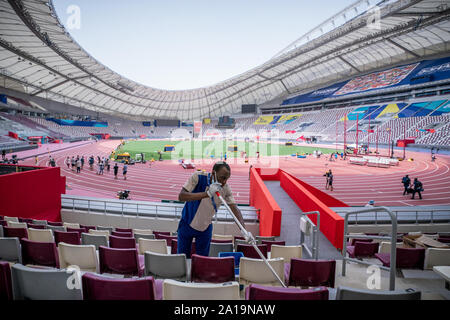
(248, 108)
(167, 123)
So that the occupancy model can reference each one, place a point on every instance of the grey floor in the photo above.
(290, 224)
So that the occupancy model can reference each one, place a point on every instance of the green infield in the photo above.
(208, 149)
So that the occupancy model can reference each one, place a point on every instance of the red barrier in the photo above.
(260, 197)
(331, 224)
(32, 194)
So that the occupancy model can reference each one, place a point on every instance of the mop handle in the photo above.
(252, 240)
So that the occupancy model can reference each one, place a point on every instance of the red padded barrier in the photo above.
(32, 194)
(261, 198)
(331, 224)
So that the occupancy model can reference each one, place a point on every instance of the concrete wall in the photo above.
(160, 224)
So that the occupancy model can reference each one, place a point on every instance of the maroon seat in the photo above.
(250, 252)
(67, 237)
(363, 249)
(3, 223)
(407, 258)
(352, 243)
(79, 230)
(167, 238)
(87, 228)
(6, 293)
(2, 217)
(269, 243)
(122, 234)
(128, 230)
(311, 273)
(174, 246)
(238, 237)
(259, 292)
(56, 224)
(212, 269)
(159, 233)
(39, 253)
(15, 232)
(122, 243)
(443, 239)
(96, 287)
(36, 226)
(221, 241)
(121, 261)
(26, 220)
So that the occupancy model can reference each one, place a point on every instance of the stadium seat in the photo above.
(363, 249)
(39, 253)
(43, 284)
(345, 293)
(385, 247)
(71, 225)
(67, 237)
(3, 223)
(436, 257)
(143, 231)
(10, 250)
(259, 239)
(221, 241)
(443, 239)
(174, 246)
(152, 245)
(166, 266)
(93, 239)
(36, 226)
(311, 273)
(127, 230)
(120, 261)
(353, 241)
(96, 287)
(12, 219)
(122, 243)
(100, 232)
(250, 252)
(158, 233)
(286, 252)
(212, 269)
(20, 233)
(87, 228)
(259, 292)
(256, 271)
(122, 234)
(79, 230)
(104, 228)
(138, 235)
(13, 224)
(55, 224)
(56, 228)
(25, 220)
(407, 258)
(6, 293)
(269, 244)
(176, 290)
(222, 237)
(82, 256)
(216, 248)
(39, 222)
(40, 235)
(237, 259)
(166, 237)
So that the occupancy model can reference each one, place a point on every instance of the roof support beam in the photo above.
(402, 47)
(349, 64)
(287, 90)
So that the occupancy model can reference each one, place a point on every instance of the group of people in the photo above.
(329, 183)
(77, 164)
(415, 187)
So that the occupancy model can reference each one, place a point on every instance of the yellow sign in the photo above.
(262, 120)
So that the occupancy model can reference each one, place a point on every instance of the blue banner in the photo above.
(78, 123)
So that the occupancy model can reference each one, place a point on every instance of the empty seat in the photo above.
(152, 245)
(385, 246)
(122, 234)
(259, 292)
(138, 235)
(83, 256)
(120, 261)
(174, 246)
(15, 232)
(93, 239)
(286, 252)
(269, 244)
(104, 228)
(143, 231)
(36, 226)
(212, 269)
(6, 293)
(71, 225)
(345, 293)
(26, 220)
(259, 239)
(100, 232)
(122, 243)
(66, 237)
(311, 273)
(363, 249)
(56, 228)
(256, 271)
(407, 258)
(238, 241)
(44, 284)
(13, 224)
(166, 266)
(443, 239)
(10, 250)
(222, 237)
(216, 248)
(166, 237)
(353, 241)
(13, 219)
(78, 230)
(237, 259)
(158, 233)
(436, 257)
(40, 235)
(96, 287)
(127, 230)
(221, 241)
(176, 290)
(87, 228)
(250, 252)
(39, 222)
(55, 224)
(39, 253)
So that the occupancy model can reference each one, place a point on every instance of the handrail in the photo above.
(314, 252)
(393, 238)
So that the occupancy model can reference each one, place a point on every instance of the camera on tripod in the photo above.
(123, 195)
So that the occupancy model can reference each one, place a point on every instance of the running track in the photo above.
(353, 184)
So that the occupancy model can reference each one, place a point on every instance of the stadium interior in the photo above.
(370, 103)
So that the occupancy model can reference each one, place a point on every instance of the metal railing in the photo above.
(144, 208)
(392, 238)
(314, 238)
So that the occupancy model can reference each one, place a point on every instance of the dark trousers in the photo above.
(78, 169)
(406, 189)
(186, 234)
(414, 193)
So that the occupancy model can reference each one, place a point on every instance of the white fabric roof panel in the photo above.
(60, 69)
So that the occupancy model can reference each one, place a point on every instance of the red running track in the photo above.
(353, 184)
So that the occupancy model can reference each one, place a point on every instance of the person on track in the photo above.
(201, 205)
(417, 188)
(116, 170)
(124, 171)
(327, 175)
(330, 180)
(68, 162)
(78, 165)
(406, 181)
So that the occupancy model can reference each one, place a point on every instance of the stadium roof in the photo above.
(39, 57)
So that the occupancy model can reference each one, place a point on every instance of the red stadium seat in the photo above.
(250, 252)
(39, 253)
(311, 273)
(212, 269)
(122, 243)
(363, 249)
(6, 293)
(120, 261)
(259, 292)
(67, 237)
(407, 258)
